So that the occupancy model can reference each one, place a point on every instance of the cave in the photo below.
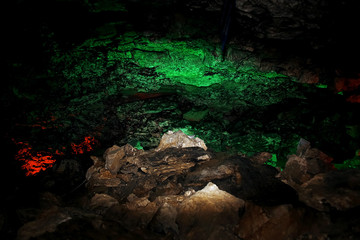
(180, 119)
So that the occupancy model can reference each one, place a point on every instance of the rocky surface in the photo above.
(126, 72)
(177, 193)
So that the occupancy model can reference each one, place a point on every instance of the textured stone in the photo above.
(100, 203)
(46, 222)
(179, 140)
(209, 214)
(261, 158)
(273, 222)
(114, 157)
(333, 190)
(300, 169)
(279, 20)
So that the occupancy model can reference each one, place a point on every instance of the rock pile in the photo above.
(182, 191)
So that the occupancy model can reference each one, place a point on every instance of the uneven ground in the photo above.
(103, 77)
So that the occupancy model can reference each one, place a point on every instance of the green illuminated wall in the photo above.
(194, 68)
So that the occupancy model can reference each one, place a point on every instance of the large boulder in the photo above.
(307, 163)
(336, 190)
(279, 222)
(209, 214)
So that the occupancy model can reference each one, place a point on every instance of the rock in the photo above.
(96, 167)
(171, 161)
(46, 222)
(195, 116)
(337, 190)
(305, 165)
(114, 157)
(275, 20)
(164, 220)
(302, 147)
(261, 158)
(295, 171)
(209, 214)
(274, 222)
(211, 172)
(242, 178)
(68, 166)
(100, 203)
(179, 140)
(103, 177)
(134, 214)
(150, 173)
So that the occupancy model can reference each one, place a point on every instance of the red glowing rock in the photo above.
(86, 146)
(34, 162)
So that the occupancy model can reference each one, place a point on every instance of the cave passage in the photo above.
(86, 75)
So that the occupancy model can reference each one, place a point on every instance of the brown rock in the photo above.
(296, 171)
(135, 214)
(305, 165)
(46, 222)
(115, 157)
(100, 203)
(333, 190)
(273, 222)
(209, 214)
(261, 158)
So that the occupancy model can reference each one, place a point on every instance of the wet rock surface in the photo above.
(177, 193)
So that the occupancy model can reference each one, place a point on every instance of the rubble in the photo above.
(174, 192)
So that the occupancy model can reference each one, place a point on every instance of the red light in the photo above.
(34, 162)
(354, 99)
(86, 146)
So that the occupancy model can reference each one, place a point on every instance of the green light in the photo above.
(187, 130)
(138, 146)
(321, 85)
(272, 161)
(350, 163)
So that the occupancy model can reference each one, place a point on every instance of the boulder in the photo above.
(100, 203)
(277, 222)
(307, 163)
(46, 222)
(209, 214)
(336, 190)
